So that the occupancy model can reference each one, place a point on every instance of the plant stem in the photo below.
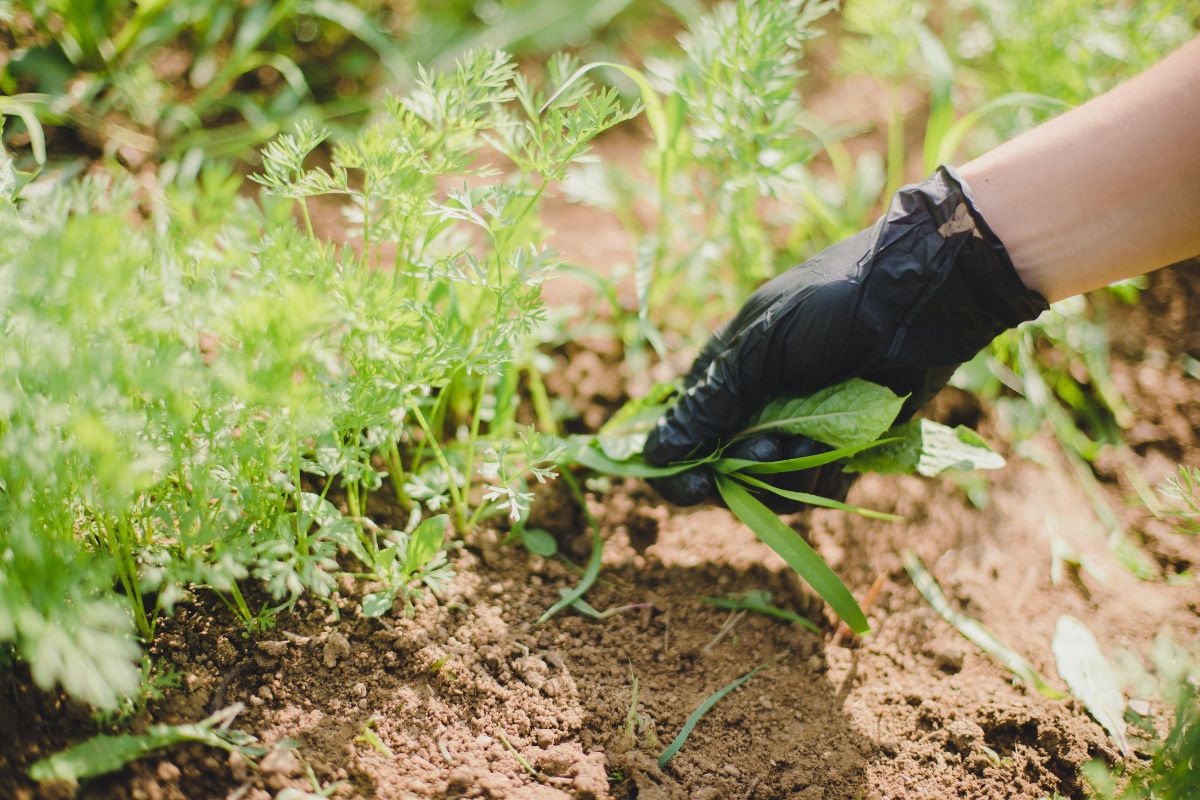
(460, 510)
(541, 402)
(396, 472)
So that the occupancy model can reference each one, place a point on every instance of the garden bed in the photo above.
(472, 682)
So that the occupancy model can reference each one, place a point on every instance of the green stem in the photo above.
(541, 402)
(307, 219)
(460, 509)
(301, 523)
(243, 609)
(367, 222)
(126, 573)
(438, 414)
(396, 472)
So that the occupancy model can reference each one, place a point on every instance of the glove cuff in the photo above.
(941, 284)
(985, 264)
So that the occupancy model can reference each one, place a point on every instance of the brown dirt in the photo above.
(911, 711)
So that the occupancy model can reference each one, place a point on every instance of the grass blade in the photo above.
(743, 465)
(745, 604)
(799, 555)
(704, 708)
(974, 631)
(592, 570)
(818, 500)
(582, 453)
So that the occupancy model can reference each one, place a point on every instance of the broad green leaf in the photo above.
(1090, 677)
(704, 708)
(624, 436)
(377, 604)
(851, 413)
(974, 631)
(927, 448)
(425, 543)
(539, 542)
(799, 555)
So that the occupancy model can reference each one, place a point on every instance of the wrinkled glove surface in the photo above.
(903, 304)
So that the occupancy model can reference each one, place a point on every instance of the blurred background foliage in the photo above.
(152, 80)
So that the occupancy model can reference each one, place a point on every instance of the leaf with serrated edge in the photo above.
(845, 415)
(1090, 677)
(927, 448)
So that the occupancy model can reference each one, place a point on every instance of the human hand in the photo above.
(902, 304)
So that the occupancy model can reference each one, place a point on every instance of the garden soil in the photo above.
(473, 698)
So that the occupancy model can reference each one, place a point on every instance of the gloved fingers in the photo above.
(687, 488)
(804, 480)
(707, 412)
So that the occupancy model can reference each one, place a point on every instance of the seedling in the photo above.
(694, 718)
(412, 561)
(369, 736)
(637, 727)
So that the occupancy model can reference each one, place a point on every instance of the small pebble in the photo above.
(337, 646)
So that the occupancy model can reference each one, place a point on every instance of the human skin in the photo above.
(1105, 191)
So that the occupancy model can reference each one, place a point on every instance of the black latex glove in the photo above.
(902, 304)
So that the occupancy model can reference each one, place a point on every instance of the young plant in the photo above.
(694, 718)
(727, 145)
(1181, 492)
(759, 601)
(214, 396)
(855, 419)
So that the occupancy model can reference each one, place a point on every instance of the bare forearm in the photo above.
(1106, 191)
